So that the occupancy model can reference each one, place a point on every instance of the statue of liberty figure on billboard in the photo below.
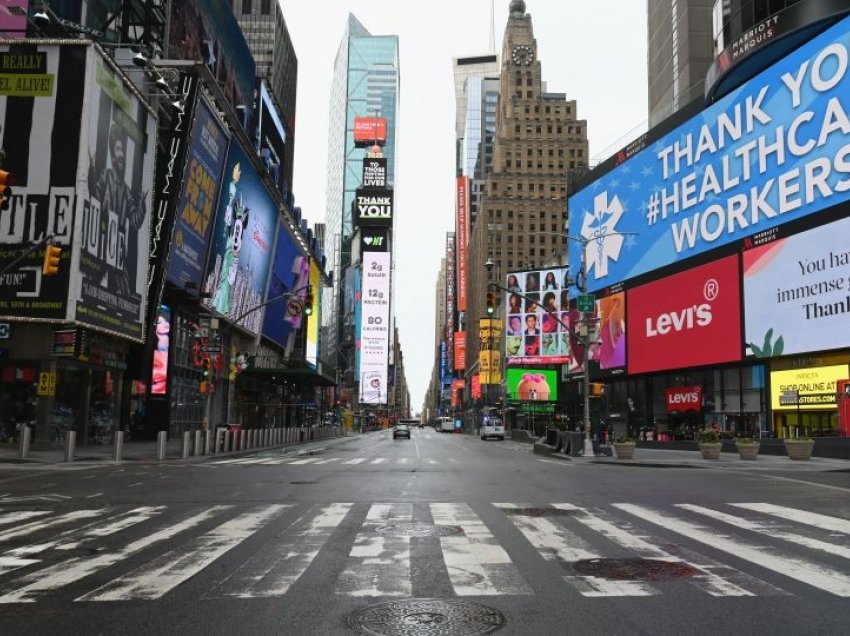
(235, 224)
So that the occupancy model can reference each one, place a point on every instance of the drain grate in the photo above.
(424, 617)
(635, 569)
(539, 512)
(419, 530)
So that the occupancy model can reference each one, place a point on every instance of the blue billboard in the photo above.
(774, 150)
(241, 244)
(277, 324)
(197, 200)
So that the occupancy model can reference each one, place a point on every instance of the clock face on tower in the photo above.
(523, 55)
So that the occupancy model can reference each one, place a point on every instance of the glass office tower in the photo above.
(365, 84)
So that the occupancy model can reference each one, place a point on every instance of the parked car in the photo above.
(402, 430)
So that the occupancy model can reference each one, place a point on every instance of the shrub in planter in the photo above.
(709, 445)
(800, 448)
(748, 448)
(624, 447)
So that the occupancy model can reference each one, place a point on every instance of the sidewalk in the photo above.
(653, 458)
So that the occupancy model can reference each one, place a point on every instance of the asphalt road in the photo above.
(446, 533)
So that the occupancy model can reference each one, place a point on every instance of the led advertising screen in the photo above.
(462, 229)
(277, 324)
(797, 292)
(689, 319)
(159, 375)
(241, 244)
(532, 385)
(373, 207)
(609, 349)
(114, 210)
(772, 151)
(375, 328)
(314, 319)
(534, 336)
(270, 137)
(370, 130)
(812, 388)
(197, 201)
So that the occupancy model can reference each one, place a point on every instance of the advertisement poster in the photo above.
(450, 302)
(241, 245)
(207, 30)
(609, 348)
(772, 151)
(489, 357)
(462, 225)
(270, 138)
(40, 133)
(686, 320)
(535, 336)
(532, 385)
(197, 201)
(314, 319)
(373, 207)
(370, 130)
(358, 317)
(115, 207)
(159, 375)
(475, 385)
(460, 350)
(375, 328)
(814, 388)
(276, 325)
(797, 292)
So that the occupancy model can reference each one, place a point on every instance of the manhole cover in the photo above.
(635, 569)
(419, 530)
(424, 617)
(539, 512)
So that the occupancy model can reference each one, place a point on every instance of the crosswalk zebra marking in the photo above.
(329, 460)
(813, 574)
(824, 522)
(154, 579)
(272, 574)
(379, 564)
(476, 563)
(557, 544)
(15, 517)
(299, 462)
(57, 576)
(378, 460)
(356, 460)
(36, 526)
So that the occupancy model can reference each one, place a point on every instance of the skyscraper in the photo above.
(365, 85)
(680, 53)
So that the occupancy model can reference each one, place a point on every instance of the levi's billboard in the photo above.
(775, 150)
(686, 320)
(684, 398)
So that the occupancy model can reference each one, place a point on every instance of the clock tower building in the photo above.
(540, 147)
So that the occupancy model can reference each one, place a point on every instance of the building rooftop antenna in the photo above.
(492, 26)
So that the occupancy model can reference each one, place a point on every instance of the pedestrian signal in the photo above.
(308, 302)
(50, 267)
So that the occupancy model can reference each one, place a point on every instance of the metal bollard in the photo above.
(187, 441)
(243, 439)
(266, 441)
(26, 436)
(70, 445)
(197, 442)
(228, 435)
(118, 446)
(161, 439)
(207, 441)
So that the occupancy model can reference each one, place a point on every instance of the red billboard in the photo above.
(457, 392)
(462, 239)
(476, 387)
(370, 130)
(460, 350)
(689, 319)
(684, 398)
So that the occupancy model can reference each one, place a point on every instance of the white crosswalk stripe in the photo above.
(150, 551)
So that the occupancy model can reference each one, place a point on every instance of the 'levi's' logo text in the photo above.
(690, 318)
(692, 397)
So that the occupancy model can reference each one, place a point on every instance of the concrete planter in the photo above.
(747, 451)
(799, 448)
(624, 450)
(710, 451)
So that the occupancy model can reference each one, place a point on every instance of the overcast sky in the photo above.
(592, 50)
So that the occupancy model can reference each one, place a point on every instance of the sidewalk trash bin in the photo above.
(575, 444)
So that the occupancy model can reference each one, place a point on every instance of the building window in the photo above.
(265, 7)
(246, 7)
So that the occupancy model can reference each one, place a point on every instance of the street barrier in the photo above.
(118, 446)
(161, 439)
(243, 438)
(26, 435)
(228, 436)
(187, 439)
(70, 445)
(207, 441)
(197, 442)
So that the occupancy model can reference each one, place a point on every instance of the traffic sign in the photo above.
(5, 330)
(586, 303)
(294, 307)
(211, 348)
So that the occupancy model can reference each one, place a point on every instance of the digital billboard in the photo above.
(460, 350)
(270, 137)
(314, 319)
(489, 358)
(462, 229)
(772, 151)
(375, 328)
(374, 173)
(811, 388)
(241, 244)
(609, 348)
(532, 335)
(197, 201)
(370, 130)
(159, 374)
(277, 324)
(40, 133)
(689, 319)
(797, 292)
(532, 385)
(450, 302)
(114, 207)
(373, 207)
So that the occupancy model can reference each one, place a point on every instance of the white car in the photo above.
(492, 427)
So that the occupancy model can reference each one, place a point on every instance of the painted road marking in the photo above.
(356, 460)
(23, 515)
(824, 522)
(36, 526)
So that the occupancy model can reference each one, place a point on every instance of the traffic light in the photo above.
(597, 389)
(51, 260)
(6, 181)
(491, 303)
(205, 368)
(308, 302)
